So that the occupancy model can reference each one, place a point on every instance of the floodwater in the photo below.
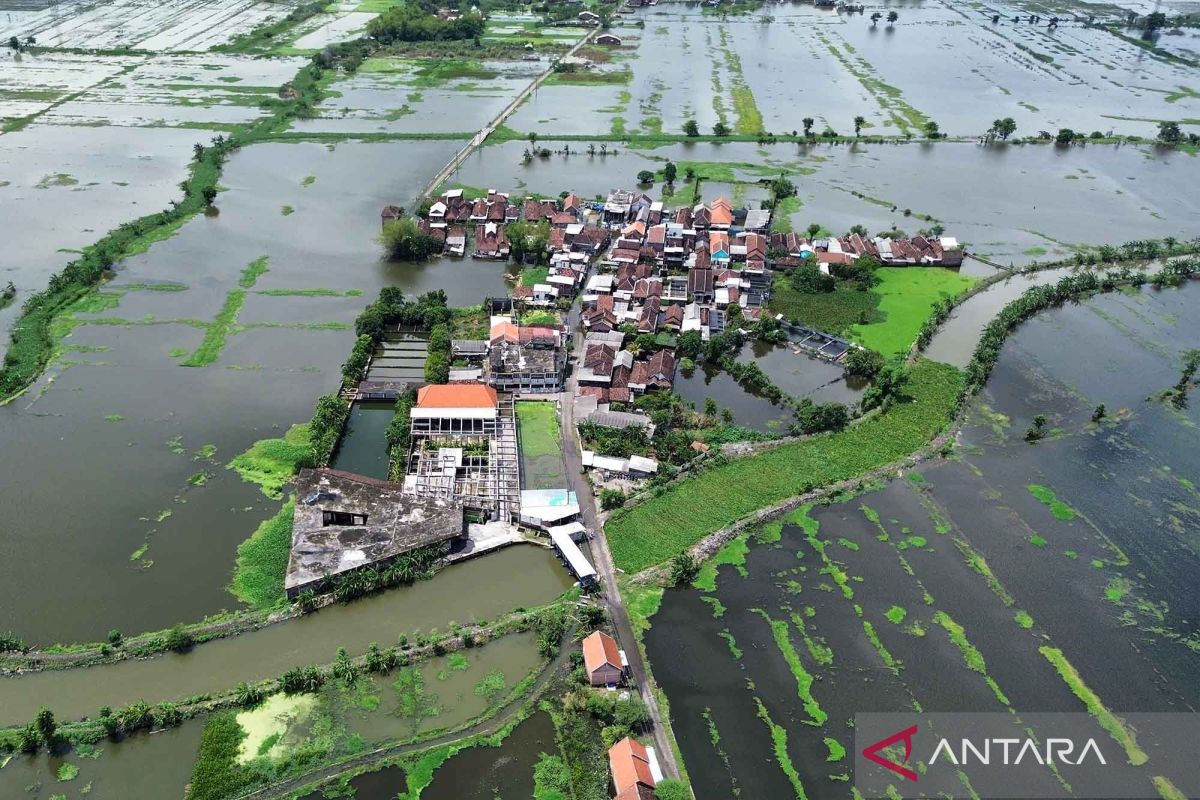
(1115, 539)
(105, 418)
(154, 765)
(801, 375)
(363, 449)
(479, 589)
(749, 409)
(477, 773)
(159, 764)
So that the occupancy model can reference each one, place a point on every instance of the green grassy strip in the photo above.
(779, 740)
(253, 271)
(875, 641)
(971, 655)
(1166, 789)
(655, 530)
(214, 336)
(1107, 719)
(804, 681)
(262, 561)
(537, 424)
(1046, 497)
(821, 653)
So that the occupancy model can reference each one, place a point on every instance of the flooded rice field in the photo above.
(478, 589)
(121, 385)
(957, 586)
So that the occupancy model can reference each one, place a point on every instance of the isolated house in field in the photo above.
(609, 40)
(602, 660)
(631, 766)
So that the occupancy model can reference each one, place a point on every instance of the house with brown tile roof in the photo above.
(673, 318)
(637, 792)
(656, 372)
(602, 660)
(390, 214)
(491, 241)
(629, 764)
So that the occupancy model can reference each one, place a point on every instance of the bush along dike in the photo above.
(33, 342)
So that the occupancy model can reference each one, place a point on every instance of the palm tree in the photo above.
(858, 123)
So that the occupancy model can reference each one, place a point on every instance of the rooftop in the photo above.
(344, 521)
(456, 395)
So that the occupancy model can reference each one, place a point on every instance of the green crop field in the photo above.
(906, 296)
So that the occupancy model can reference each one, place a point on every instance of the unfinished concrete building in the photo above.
(463, 447)
(343, 522)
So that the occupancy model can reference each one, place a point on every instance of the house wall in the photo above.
(605, 675)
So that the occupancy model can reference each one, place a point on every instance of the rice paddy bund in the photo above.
(928, 592)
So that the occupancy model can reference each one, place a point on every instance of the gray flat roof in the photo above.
(395, 524)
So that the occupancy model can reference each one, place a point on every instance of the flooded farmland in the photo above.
(475, 590)
(944, 589)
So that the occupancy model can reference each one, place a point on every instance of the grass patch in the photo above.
(836, 751)
(655, 530)
(590, 78)
(971, 655)
(835, 312)
(896, 615)
(734, 552)
(907, 295)
(1108, 720)
(537, 424)
(1023, 619)
(262, 561)
(271, 463)
(534, 275)
(1046, 497)
(253, 271)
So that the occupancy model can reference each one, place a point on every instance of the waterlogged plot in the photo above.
(179, 90)
(445, 96)
(931, 593)
(141, 24)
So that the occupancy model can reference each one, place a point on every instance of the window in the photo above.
(342, 518)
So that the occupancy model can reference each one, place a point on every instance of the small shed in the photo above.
(580, 567)
(609, 39)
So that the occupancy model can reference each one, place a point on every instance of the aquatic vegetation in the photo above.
(896, 615)
(734, 552)
(262, 561)
(836, 751)
(779, 740)
(657, 528)
(804, 680)
(1057, 507)
(1023, 619)
(875, 641)
(216, 332)
(551, 778)
(732, 642)
(1108, 720)
(253, 271)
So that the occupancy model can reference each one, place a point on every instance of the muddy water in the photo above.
(156, 765)
(363, 448)
(803, 376)
(483, 773)
(479, 589)
(749, 410)
(121, 421)
(1109, 580)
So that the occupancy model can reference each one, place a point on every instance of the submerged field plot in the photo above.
(1014, 577)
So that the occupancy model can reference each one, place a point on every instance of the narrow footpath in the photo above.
(479, 138)
(602, 556)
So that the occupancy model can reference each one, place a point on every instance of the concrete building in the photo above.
(344, 521)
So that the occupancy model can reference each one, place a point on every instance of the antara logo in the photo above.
(872, 752)
(1061, 751)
